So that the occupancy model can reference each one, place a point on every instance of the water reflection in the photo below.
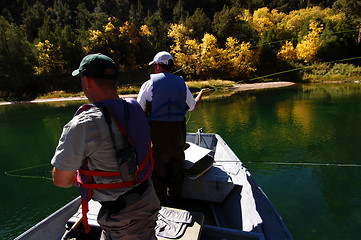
(302, 124)
(299, 124)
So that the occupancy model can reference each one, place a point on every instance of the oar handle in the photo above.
(72, 229)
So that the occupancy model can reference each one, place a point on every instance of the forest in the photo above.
(42, 41)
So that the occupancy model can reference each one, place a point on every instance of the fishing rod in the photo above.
(13, 173)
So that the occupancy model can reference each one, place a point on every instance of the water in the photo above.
(307, 124)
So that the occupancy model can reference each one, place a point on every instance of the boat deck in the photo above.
(225, 200)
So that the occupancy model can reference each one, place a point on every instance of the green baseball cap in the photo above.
(97, 66)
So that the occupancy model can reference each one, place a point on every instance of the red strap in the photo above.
(149, 155)
(107, 185)
(99, 173)
(85, 210)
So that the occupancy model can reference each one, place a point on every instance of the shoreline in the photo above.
(236, 87)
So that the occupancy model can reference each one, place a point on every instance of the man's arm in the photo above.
(62, 178)
(199, 96)
(145, 94)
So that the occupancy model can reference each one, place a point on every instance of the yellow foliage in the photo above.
(208, 53)
(94, 35)
(113, 38)
(49, 58)
(245, 16)
(339, 17)
(262, 20)
(206, 57)
(295, 19)
(180, 35)
(109, 27)
(287, 52)
(239, 58)
(307, 49)
(144, 31)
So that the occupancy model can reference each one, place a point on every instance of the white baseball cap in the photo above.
(162, 58)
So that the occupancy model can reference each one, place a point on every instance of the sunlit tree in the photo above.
(209, 60)
(287, 52)
(307, 49)
(122, 42)
(206, 59)
(49, 58)
(240, 60)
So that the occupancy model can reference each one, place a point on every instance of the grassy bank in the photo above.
(326, 72)
(194, 86)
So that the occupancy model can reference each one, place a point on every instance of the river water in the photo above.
(301, 143)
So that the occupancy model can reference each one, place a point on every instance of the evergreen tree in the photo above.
(159, 31)
(60, 14)
(16, 57)
(179, 13)
(352, 8)
(136, 14)
(83, 18)
(114, 8)
(199, 23)
(225, 24)
(33, 19)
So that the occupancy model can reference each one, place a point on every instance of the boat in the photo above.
(223, 197)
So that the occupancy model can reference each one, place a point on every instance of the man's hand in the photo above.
(199, 96)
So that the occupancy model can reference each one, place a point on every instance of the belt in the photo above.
(127, 198)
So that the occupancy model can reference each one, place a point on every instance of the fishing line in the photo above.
(13, 173)
(291, 39)
(300, 68)
(308, 164)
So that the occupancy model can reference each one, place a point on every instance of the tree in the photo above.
(240, 60)
(206, 59)
(199, 22)
(48, 58)
(83, 18)
(307, 49)
(114, 8)
(352, 8)
(60, 14)
(158, 29)
(33, 19)
(136, 14)
(287, 52)
(122, 42)
(16, 55)
(179, 12)
(70, 48)
(226, 24)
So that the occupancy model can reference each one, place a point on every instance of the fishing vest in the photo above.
(169, 97)
(132, 122)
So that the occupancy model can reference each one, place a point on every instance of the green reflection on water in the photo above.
(304, 123)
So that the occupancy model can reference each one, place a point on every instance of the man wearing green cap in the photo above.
(105, 151)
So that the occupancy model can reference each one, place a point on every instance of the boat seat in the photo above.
(193, 229)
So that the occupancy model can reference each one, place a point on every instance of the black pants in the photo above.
(168, 139)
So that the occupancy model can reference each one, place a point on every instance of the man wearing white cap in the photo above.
(165, 98)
